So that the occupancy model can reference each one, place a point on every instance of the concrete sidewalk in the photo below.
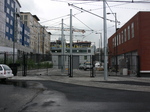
(131, 83)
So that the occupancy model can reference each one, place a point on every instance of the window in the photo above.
(8, 1)
(7, 29)
(8, 10)
(25, 17)
(132, 30)
(11, 22)
(25, 22)
(125, 36)
(122, 37)
(113, 41)
(12, 5)
(7, 20)
(128, 32)
(21, 17)
(119, 39)
(89, 51)
(12, 14)
(85, 57)
(11, 31)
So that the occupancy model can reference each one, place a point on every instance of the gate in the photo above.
(46, 64)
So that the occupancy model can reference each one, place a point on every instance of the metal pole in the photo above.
(62, 48)
(71, 43)
(15, 35)
(105, 41)
(101, 47)
(116, 42)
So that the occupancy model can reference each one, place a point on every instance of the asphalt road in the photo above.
(50, 96)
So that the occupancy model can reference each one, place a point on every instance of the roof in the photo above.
(36, 17)
(18, 3)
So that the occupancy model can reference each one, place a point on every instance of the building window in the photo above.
(89, 51)
(11, 31)
(132, 30)
(125, 36)
(128, 32)
(25, 17)
(25, 22)
(122, 39)
(21, 17)
(12, 14)
(119, 38)
(113, 41)
(8, 10)
(11, 22)
(12, 5)
(7, 20)
(85, 57)
(7, 29)
(8, 1)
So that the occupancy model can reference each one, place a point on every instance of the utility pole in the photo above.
(71, 57)
(105, 41)
(62, 48)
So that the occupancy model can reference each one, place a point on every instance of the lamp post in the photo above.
(116, 41)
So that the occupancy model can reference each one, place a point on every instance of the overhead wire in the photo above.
(84, 23)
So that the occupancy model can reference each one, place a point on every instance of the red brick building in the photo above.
(130, 45)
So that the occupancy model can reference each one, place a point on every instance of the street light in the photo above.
(115, 50)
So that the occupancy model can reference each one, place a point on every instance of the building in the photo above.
(10, 27)
(39, 37)
(81, 51)
(2, 23)
(25, 33)
(129, 47)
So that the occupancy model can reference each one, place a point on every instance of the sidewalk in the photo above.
(131, 83)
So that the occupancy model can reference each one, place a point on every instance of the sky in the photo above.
(51, 13)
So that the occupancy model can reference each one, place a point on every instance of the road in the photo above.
(51, 96)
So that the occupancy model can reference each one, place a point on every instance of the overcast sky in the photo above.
(51, 12)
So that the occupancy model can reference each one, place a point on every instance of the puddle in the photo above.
(22, 84)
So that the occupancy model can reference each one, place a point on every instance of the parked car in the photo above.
(99, 67)
(5, 72)
(87, 65)
(81, 66)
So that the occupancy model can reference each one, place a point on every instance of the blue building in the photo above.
(15, 31)
(25, 35)
(9, 9)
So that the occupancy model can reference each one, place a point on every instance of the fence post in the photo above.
(138, 67)
(93, 66)
(71, 66)
(24, 65)
(5, 58)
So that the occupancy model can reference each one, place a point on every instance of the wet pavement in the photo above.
(80, 93)
(81, 77)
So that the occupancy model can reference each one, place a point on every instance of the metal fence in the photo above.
(46, 64)
(124, 64)
(24, 64)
